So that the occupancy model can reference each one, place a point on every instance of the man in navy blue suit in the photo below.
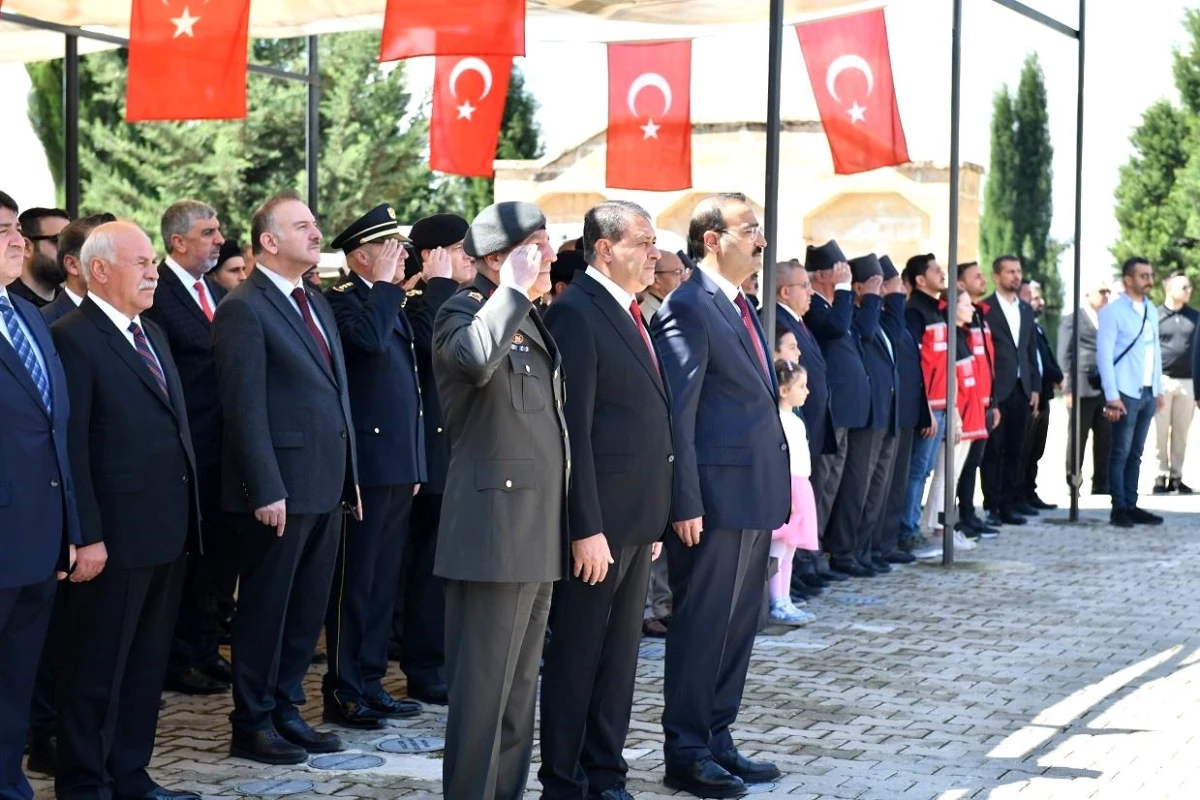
(731, 489)
(37, 503)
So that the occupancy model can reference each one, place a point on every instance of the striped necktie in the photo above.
(142, 345)
(25, 352)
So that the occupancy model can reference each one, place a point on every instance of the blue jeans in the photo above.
(1128, 441)
(924, 453)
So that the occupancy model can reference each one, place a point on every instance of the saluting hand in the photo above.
(592, 558)
(874, 285)
(437, 264)
(841, 272)
(273, 515)
(383, 269)
(688, 530)
(522, 266)
(89, 562)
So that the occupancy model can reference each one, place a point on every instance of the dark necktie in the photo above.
(636, 313)
(744, 307)
(25, 352)
(302, 300)
(142, 345)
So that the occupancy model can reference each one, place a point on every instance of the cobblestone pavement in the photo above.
(1054, 662)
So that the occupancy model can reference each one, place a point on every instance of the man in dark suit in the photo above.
(830, 318)
(74, 288)
(1078, 390)
(731, 489)
(37, 501)
(184, 303)
(1052, 376)
(42, 274)
(385, 400)
(620, 424)
(1016, 387)
(503, 536)
(288, 466)
(135, 476)
(420, 624)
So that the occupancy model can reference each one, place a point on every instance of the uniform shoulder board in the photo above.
(344, 287)
(413, 293)
(476, 296)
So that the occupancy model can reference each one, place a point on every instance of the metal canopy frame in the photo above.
(771, 222)
(72, 34)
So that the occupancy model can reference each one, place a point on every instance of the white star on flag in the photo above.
(466, 110)
(857, 113)
(184, 23)
(650, 130)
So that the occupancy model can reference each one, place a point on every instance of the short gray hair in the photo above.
(179, 218)
(100, 244)
(608, 221)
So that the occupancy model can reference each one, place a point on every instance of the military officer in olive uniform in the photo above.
(503, 536)
(385, 403)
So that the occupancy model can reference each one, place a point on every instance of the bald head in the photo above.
(668, 274)
(119, 262)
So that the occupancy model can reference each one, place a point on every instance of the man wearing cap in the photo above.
(830, 317)
(420, 620)
(503, 536)
(385, 403)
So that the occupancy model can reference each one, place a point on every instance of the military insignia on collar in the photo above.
(518, 338)
(344, 287)
(475, 296)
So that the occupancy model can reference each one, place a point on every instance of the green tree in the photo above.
(996, 225)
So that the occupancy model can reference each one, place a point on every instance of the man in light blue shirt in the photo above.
(1129, 360)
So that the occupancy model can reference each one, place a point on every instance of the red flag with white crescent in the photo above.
(850, 67)
(650, 116)
(452, 28)
(468, 106)
(187, 60)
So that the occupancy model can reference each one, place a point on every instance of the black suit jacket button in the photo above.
(670, 459)
(343, 434)
(377, 430)
(54, 483)
(185, 478)
(783, 446)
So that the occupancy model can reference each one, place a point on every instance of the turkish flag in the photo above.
(468, 105)
(452, 28)
(851, 72)
(187, 60)
(650, 116)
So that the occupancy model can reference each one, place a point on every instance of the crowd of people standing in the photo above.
(471, 440)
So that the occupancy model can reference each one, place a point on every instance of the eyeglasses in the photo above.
(753, 231)
(789, 285)
(675, 272)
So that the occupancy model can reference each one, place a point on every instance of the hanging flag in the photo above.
(452, 28)
(187, 60)
(649, 116)
(468, 105)
(850, 68)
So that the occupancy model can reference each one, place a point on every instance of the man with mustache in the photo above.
(288, 468)
(184, 304)
(41, 274)
(135, 487)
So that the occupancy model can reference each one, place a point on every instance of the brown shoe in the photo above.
(654, 628)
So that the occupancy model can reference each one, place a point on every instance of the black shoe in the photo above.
(980, 527)
(193, 681)
(159, 793)
(266, 747)
(389, 706)
(1161, 485)
(900, 557)
(835, 576)
(853, 569)
(802, 592)
(811, 579)
(1025, 509)
(615, 793)
(1179, 487)
(704, 778)
(1140, 516)
(352, 714)
(994, 518)
(1119, 518)
(654, 628)
(437, 694)
(218, 668)
(1041, 504)
(296, 731)
(1011, 518)
(749, 771)
(43, 754)
(880, 564)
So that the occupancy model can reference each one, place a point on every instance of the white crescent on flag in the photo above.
(843, 63)
(471, 64)
(649, 79)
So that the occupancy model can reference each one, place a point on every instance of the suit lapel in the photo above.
(174, 387)
(182, 293)
(729, 311)
(324, 314)
(125, 351)
(41, 337)
(217, 291)
(10, 359)
(999, 319)
(623, 322)
(284, 306)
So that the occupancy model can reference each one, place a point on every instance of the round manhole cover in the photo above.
(347, 761)
(759, 788)
(412, 744)
(274, 788)
(856, 600)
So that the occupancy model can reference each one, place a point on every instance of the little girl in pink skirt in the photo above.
(800, 531)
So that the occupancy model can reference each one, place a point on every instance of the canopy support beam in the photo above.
(70, 98)
(771, 196)
(312, 112)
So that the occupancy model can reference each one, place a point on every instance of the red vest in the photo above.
(969, 401)
(981, 348)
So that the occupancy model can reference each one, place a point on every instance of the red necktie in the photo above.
(636, 312)
(302, 301)
(204, 306)
(744, 307)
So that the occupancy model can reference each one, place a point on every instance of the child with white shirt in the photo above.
(800, 530)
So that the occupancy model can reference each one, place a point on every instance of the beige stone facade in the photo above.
(900, 211)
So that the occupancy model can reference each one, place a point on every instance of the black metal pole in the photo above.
(313, 124)
(952, 289)
(771, 197)
(71, 186)
(1076, 456)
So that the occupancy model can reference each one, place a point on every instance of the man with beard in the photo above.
(503, 536)
(972, 281)
(41, 274)
(74, 288)
(184, 305)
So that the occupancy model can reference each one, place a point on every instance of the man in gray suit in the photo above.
(1078, 390)
(503, 535)
(288, 467)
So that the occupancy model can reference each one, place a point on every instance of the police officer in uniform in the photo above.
(385, 403)
(503, 536)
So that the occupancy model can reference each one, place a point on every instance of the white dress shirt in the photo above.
(1012, 314)
(33, 345)
(287, 288)
(800, 462)
(624, 299)
(189, 282)
(122, 323)
(74, 298)
(730, 291)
